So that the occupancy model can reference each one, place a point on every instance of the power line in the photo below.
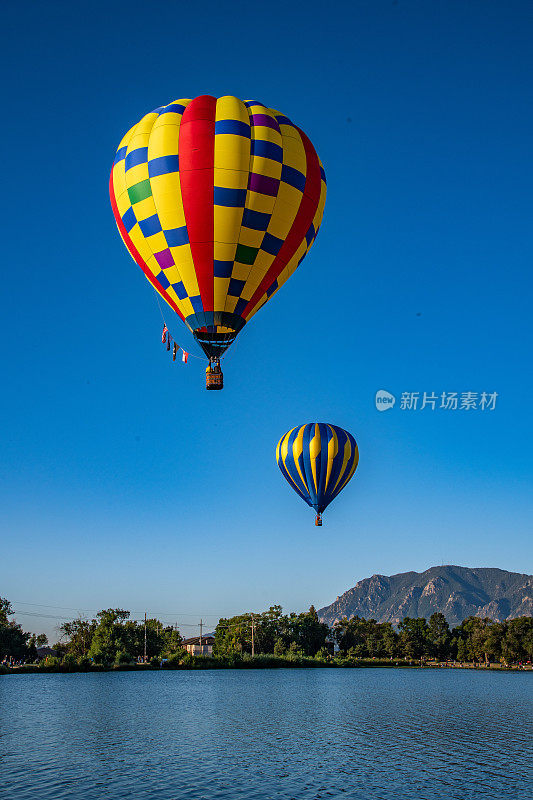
(87, 610)
(143, 616)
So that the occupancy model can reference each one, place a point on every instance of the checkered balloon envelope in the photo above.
(218, 201)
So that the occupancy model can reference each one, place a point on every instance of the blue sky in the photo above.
(124, 483)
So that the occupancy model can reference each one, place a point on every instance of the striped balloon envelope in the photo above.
(317, 460)
(218, 201)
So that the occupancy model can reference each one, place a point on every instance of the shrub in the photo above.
(295, 653)
(175, 660)
(122, 657)
(69, 662)
(100, 657)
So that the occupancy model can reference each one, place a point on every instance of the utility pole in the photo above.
(201, 626)
(253, 628)
(145, 637)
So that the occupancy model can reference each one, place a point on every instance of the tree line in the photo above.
(113, 638)
(475, 639)
(110, 638)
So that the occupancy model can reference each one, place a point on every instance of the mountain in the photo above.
(458, 592)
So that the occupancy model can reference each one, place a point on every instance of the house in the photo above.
(44, 652)
(199, 645)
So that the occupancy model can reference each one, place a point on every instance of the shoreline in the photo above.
(258, 663)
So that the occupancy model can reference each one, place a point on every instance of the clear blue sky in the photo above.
(123, 482)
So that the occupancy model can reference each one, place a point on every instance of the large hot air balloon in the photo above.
(218, 201)
(317, 460)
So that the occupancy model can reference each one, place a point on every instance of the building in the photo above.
(195, 648)
(44, 652)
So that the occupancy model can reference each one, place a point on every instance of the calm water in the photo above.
(259, 735)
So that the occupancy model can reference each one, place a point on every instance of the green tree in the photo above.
(389, 639)
(493, 640)
(439, 637)
(79, 635)
(517, 642)
(234, 634)
(14, 642)
(279, 648)
(171, 642)
(109, 636)
(350, 635)
(413, 639)
(270, 626)
(308, 632)
(473, 632)
(6, 610)
(461, 649)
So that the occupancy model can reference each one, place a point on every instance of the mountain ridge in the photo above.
(458, 592)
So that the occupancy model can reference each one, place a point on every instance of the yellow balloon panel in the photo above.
(217, 201)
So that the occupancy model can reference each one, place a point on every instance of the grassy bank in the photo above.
(246, 662)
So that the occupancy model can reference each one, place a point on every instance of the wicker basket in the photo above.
(214, 380)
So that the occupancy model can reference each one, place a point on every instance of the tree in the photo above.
(350, 635)
(109, 636)
(389, 639)
(172, 642)
(413, 639)
(272, 625)
(462, 650)
(365, 638)
(112, 633)
(279, 648)
(6, 610)
(493, 640)
(479, 633)
(80, 634)
(517, 643)
(234, 634)
(439, 636)
(472, 637)
(308, 632)
(14, 642)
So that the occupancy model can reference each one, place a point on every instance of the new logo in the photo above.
(384, 400)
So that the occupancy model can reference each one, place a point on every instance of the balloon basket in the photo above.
(318, 520)
(214, 380)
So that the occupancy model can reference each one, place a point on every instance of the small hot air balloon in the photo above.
(218, 201)
(317, 460)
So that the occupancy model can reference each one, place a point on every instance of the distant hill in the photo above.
(458, 592)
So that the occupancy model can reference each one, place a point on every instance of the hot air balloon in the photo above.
(317, 460)
(218, 201)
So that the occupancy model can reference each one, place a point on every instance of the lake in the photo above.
(294, 734)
